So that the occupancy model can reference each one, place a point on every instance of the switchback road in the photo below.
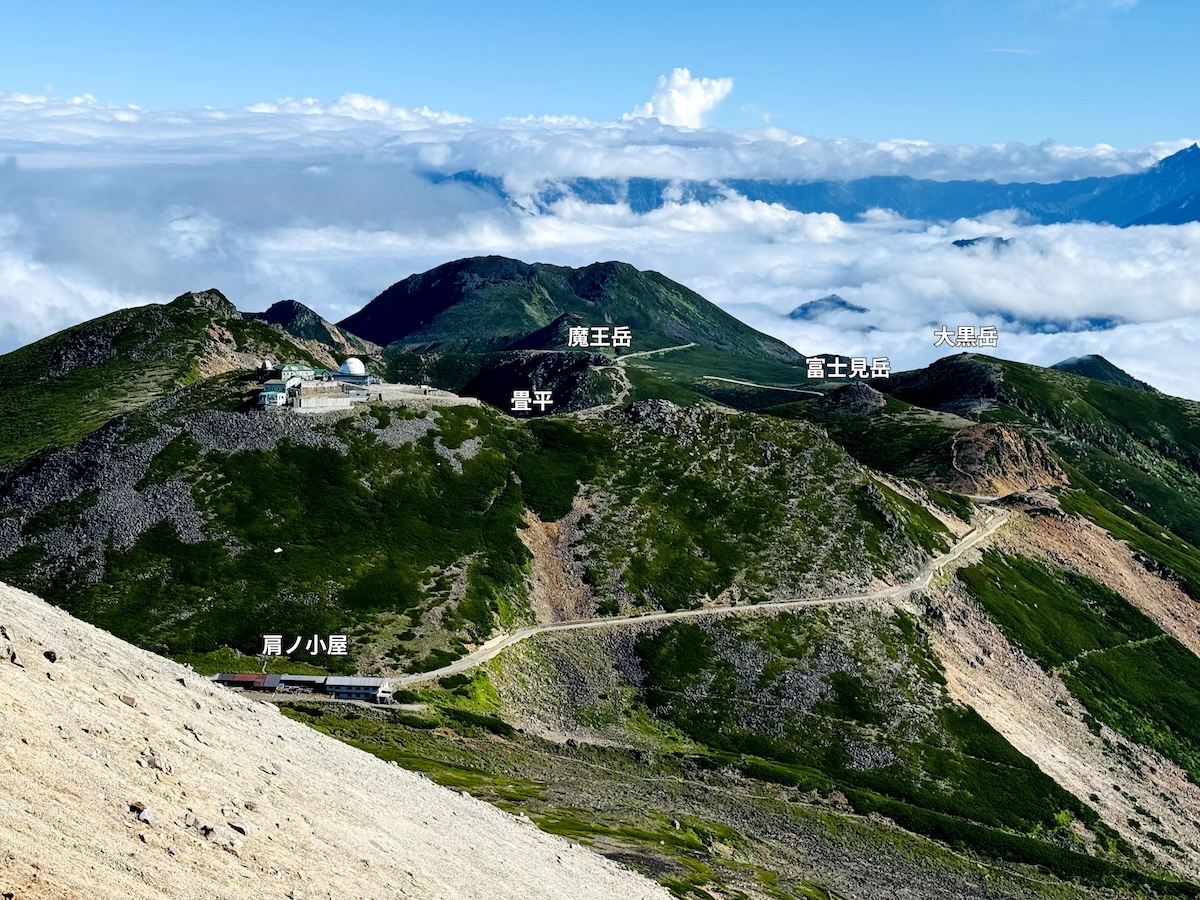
(618, 366)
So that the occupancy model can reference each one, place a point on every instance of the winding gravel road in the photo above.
(618, 366)
(498, 644)
(769, 387)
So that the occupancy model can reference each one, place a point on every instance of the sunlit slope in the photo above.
(188, 527)
(56, 390)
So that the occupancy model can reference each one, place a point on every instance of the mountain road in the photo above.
(618, 366)
(493, 647)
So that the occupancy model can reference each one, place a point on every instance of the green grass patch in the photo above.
(1016, 848)
(955, 504)
(564, 455)
(226, 659)
(1173, 556)
(1149, 692)
(1054, 615)
(1126, 672)
(899, 439)
(697, 682)
(648, 386)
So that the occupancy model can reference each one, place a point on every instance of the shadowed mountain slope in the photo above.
(299, 321)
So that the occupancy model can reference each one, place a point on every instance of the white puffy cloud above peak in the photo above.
(683, 100)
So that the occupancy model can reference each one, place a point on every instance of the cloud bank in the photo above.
(328, 203)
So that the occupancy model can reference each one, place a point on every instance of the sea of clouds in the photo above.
(328, 203)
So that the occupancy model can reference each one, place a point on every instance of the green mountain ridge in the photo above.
(1144, 447)
(489, 304)
(1099, 368)
(299, 321)
(54, 391)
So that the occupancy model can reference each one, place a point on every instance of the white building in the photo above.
(353, 371)
(274, 393)
(297, 370)
(349, 687)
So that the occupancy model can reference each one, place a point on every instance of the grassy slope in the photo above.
(555, 787)
(143, 354)
(412, 558)
(937, 767)
(493, 298)
(711, 501)
(1132, 457)
(735, 732)
(1142, 448)
(899, 439)
(372, 540)
(1126, 671)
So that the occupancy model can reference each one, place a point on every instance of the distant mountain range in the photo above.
(1166, 193)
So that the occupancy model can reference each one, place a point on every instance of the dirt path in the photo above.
(618, 366)
(498, 644)
(766, 387)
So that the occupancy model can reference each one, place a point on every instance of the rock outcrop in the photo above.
(997, 460)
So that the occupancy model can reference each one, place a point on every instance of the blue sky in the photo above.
(1073, 71)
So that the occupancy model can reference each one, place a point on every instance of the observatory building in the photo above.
(352, 371)
(304, 389)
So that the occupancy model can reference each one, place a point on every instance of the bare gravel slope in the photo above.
(125, 775)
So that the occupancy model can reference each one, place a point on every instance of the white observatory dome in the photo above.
(353, 366)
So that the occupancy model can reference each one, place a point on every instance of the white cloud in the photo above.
(683, 100)
(329, 203)
(45, 132)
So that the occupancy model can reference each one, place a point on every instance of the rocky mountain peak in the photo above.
(853, 401)
(211, 301)
(996, 460)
